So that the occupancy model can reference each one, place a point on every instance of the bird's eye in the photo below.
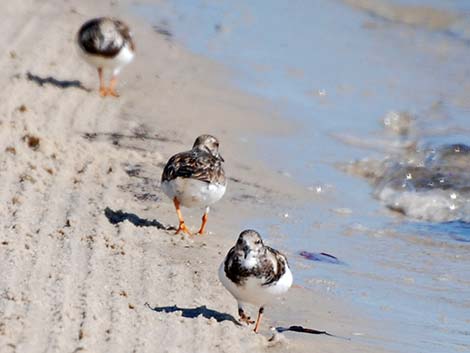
(257, 242)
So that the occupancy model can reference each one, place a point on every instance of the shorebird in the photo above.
(255, 274)
(195, 178)
(106, 43)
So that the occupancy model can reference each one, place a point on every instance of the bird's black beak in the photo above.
(220, 157)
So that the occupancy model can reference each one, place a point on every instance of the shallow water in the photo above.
(336, 69)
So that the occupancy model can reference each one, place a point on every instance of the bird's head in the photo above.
(249, 243)
(209, 144)
(125, 32)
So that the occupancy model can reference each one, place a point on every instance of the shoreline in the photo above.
(73, 280)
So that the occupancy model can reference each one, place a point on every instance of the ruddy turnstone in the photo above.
(106, 43)
(254, 273)
(195, 178)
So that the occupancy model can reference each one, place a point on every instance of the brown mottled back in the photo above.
(203, 163)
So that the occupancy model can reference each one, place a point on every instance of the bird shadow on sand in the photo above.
(192, 313)
(41, 81)
(115, 217)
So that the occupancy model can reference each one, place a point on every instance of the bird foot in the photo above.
(182, 228)
(112, 92)
(103, 91)
(203, 224)
(246, 319)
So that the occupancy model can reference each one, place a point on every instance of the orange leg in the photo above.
(103, 89)
(205, 217)
(182, 226)
(112, 87)
(258, 321)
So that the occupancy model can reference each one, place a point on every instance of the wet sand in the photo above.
(88, 259)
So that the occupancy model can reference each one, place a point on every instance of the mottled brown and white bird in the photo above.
(107, 44)
(195, 178)
(255, 274)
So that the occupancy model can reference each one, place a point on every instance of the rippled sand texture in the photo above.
(71, 280)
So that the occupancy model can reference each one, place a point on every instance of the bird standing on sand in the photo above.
(254, 273)
(106, 43)
(195, 178)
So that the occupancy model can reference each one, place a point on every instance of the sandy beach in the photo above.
(88, 257)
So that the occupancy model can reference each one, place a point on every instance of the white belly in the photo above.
(253, 292)
(192, 192)
(115, 64)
